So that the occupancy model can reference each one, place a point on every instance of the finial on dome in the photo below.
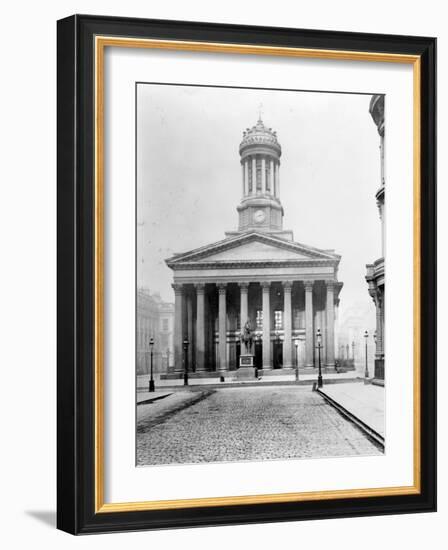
(260, 110)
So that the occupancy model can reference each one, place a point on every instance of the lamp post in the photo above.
(151, 379)
(296, 343)
(319, 346)
(186, 343)
(366, 336)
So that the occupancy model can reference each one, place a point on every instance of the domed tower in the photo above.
(260, 208)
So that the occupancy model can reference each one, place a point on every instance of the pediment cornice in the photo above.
(306, 255)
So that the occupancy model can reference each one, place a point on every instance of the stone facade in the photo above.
(375, 271)
(286, 290)
(155, 319)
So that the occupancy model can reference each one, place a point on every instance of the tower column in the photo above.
(287, 343)
(263, 175)
(200, 327)
(222, 332)
(178, 329)
(271, 177)
(309, 329)
(266, 288)
(330, 323)
(246, 177)
(243, 179)
(276, 179)
(254, 175)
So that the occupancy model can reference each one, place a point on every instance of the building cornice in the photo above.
(241, 264)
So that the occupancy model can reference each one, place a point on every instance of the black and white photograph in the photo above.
(260, 261)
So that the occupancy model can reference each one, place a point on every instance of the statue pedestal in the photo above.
(246, 369)
(247, 360)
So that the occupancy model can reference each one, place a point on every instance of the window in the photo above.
(165, 325)
(259, 321)
(258, 165)
(278, 320)
(299, 319)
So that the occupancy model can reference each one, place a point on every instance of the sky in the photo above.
(189, 175)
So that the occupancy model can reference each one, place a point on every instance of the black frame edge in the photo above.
(66, 274)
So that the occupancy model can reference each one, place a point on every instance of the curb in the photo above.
(152, 399)
(372, 434)
(259, 384)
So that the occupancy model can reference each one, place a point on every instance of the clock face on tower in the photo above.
(259, 216)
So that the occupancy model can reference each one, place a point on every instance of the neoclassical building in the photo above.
(155, 319)
(375, 271)
(287, 290)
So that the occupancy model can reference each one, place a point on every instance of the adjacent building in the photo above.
(155, 319)
(258, 273)
(375, 271)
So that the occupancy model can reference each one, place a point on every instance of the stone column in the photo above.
(178, 328)
(254, 175)
(200, 327)
(266, 287)
(271, 176)
(277, 180)
(222, 332)
(379, 324)
(189, 330)
(309, 328)
(287, 343)
(330, 323)
(244, 287)
(246, 177)
(243, 179)
(263, 175)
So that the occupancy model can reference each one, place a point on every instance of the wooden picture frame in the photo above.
(82, 40)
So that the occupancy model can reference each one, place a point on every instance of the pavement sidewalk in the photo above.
(144, 397)
(143, 380)
(365, 401)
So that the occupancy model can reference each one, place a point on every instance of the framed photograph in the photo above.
(232, 203)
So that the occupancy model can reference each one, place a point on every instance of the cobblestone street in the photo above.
(235, 424)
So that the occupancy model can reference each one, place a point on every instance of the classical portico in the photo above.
(286, 290)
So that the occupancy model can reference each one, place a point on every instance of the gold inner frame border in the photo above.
(100, 43)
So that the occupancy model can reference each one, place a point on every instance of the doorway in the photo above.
(278, 354)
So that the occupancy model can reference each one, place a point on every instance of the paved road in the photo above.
(234, 424)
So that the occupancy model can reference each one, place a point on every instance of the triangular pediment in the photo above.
(252, 251)
(252, 247)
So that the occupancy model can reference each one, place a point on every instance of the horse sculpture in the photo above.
(247, 336)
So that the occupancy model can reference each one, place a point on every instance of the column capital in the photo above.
(265, 285)
(221, 287)
(330, 285)
(287, 286)
(200, 288)
(244, 286)
(308, 285)
(178, 288)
